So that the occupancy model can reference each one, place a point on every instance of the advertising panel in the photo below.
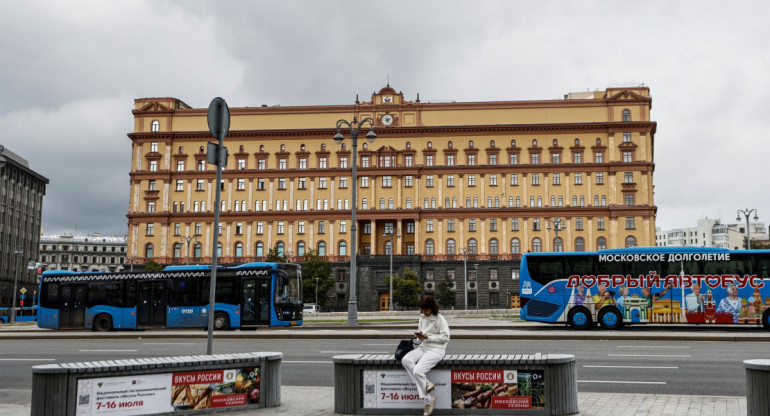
(168, 392)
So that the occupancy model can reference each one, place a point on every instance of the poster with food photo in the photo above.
(498, 389)
(214, 389)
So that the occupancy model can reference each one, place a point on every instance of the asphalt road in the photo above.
(618, 366)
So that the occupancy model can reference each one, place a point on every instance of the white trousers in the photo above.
(417, 364)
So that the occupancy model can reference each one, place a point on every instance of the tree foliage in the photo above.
(153, 266)
(407, 289)
(445, 296)
(273, 256)
(756, 245)
(316, 268)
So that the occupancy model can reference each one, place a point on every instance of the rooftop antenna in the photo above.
(388, 80)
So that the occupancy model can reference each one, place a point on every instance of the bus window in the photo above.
(50, 296)
(282, 291)
(105, 293)
(183, 293)
(545, 269)
(579, 265)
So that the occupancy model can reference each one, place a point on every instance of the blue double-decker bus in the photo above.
(660, 285)
(248, 295)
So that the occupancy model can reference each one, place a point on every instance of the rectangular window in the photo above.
(408, 160)
(450, 225)
(493, 159)
(238, 228)
(630, 224)
(513, 158)
(387, 182)
(535, 179)
(600, 223)
(261, 184)
(180, 185)
(153, 166)
(514, 179)
(321, 227)
(151, 206)
(365, 161)
(514, 224)
(628, 199)
(471, 180)
(578, 224)
(364, 181)
(410, 228)
(599, 178)
(201, 165)
(321, 183)
(198, 227)
(322, 163)
(301, 183)
(627, 137)
(535, 157)
(471, 160)
(628, 177)
(429, 160)
(628, 157)
(471, 224)
(408, 181)
(492, 180)
(577, 158)
(343, 227)
(492, 274)
(260, 228)
(343, 182)
(241, 184)
(154, 147)
(450, 274)
(556, 178)
(303, 163)
(241, 164)
(578, 179)
(429, 226)
(150, 230)
(429, 181)
(177, 229)
(536, 224)
(343, 162)
(450, 180)
(281, 183)
(555, 158)
(493, 224)
(599, 157)
(450, 160)
(429, 275)
(180, 165)
(282, 163)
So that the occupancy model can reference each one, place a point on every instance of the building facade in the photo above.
(21, 207)
(84, 253)
(712, 233)
(455, 183)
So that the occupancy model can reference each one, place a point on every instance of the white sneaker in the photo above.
(431, 386)
(429, 407)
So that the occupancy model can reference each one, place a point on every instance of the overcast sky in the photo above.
(70, 70)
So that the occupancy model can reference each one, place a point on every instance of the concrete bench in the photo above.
(757, 386)
(182, 385)
(536, 384)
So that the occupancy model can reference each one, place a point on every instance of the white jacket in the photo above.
(437, 330)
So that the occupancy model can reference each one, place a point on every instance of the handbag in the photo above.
(403, 348)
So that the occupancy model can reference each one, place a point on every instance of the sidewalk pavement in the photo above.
(319, 401)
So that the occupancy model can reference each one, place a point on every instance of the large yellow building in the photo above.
(478, 182)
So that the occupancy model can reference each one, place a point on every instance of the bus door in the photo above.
(255, 304)
(72, 306)
(151, 303)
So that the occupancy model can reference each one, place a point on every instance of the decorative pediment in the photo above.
(628, 95)
(154, 107)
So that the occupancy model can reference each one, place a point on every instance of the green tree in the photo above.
(152, 266)
(314, 268)
(445, 296)
(407, 289)
(756, 245)
(273, 256)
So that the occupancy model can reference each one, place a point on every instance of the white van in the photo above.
(311, 308)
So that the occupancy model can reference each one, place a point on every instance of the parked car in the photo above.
(311, 308)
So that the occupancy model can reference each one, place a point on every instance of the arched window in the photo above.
(473, 246)
(197, 251)
(555, 142)
(391, 203)
(382, 203)
(450, 144)
(155, 125)
(534, 142)
(279, 248)
(537, 245)
(342, 248)
(558, 245)
(513, 143)
(321, 248)
(515, 246)
(580, 244)
(409, 203)
(260, 251)
(450, 246)
(493, 246)
(429, 249)
(177, 250)
(577, 142)
(301, 248)
(219, 250)
(626, 115)
(238, 249)
(630, 241)
(388, 248)
(364, 204)
(148, 249)
(601, 243)
(470, 144)
(491, 143)
(497, 202)
(510, 202)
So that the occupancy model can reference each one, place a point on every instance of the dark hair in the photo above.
(427, 302)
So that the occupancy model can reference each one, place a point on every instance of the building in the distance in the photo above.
(21, 207)
(84, 253)
(712, 233)
(457, 183)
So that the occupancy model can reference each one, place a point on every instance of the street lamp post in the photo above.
(355, 128)
(558, 225)
(188, 239)
(747, 213)
(465, 261)
(18, 254)
(390, 299)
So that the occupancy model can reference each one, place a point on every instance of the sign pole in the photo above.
(219, 125)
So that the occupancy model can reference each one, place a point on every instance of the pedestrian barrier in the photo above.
(537, 384)
(183, 385)
(757, 386)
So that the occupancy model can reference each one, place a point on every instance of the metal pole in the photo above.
(747, 213)
(465, 260)
(18, 254)
(390, 299)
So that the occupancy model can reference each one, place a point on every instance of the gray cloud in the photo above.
(70, 72)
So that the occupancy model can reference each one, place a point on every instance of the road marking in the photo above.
(169, 343)
(108, 350)
(654, 347)
(27, 359)
(651, 355)
(307, 362)
(621, 382)
(630, 366)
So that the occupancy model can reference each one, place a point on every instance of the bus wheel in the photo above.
(102, 323)
(580, 318)
(610, 318)
(221, 321)
(766, 319)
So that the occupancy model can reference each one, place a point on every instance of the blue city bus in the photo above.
(23, 314)
(660, 285)
(248, 295)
